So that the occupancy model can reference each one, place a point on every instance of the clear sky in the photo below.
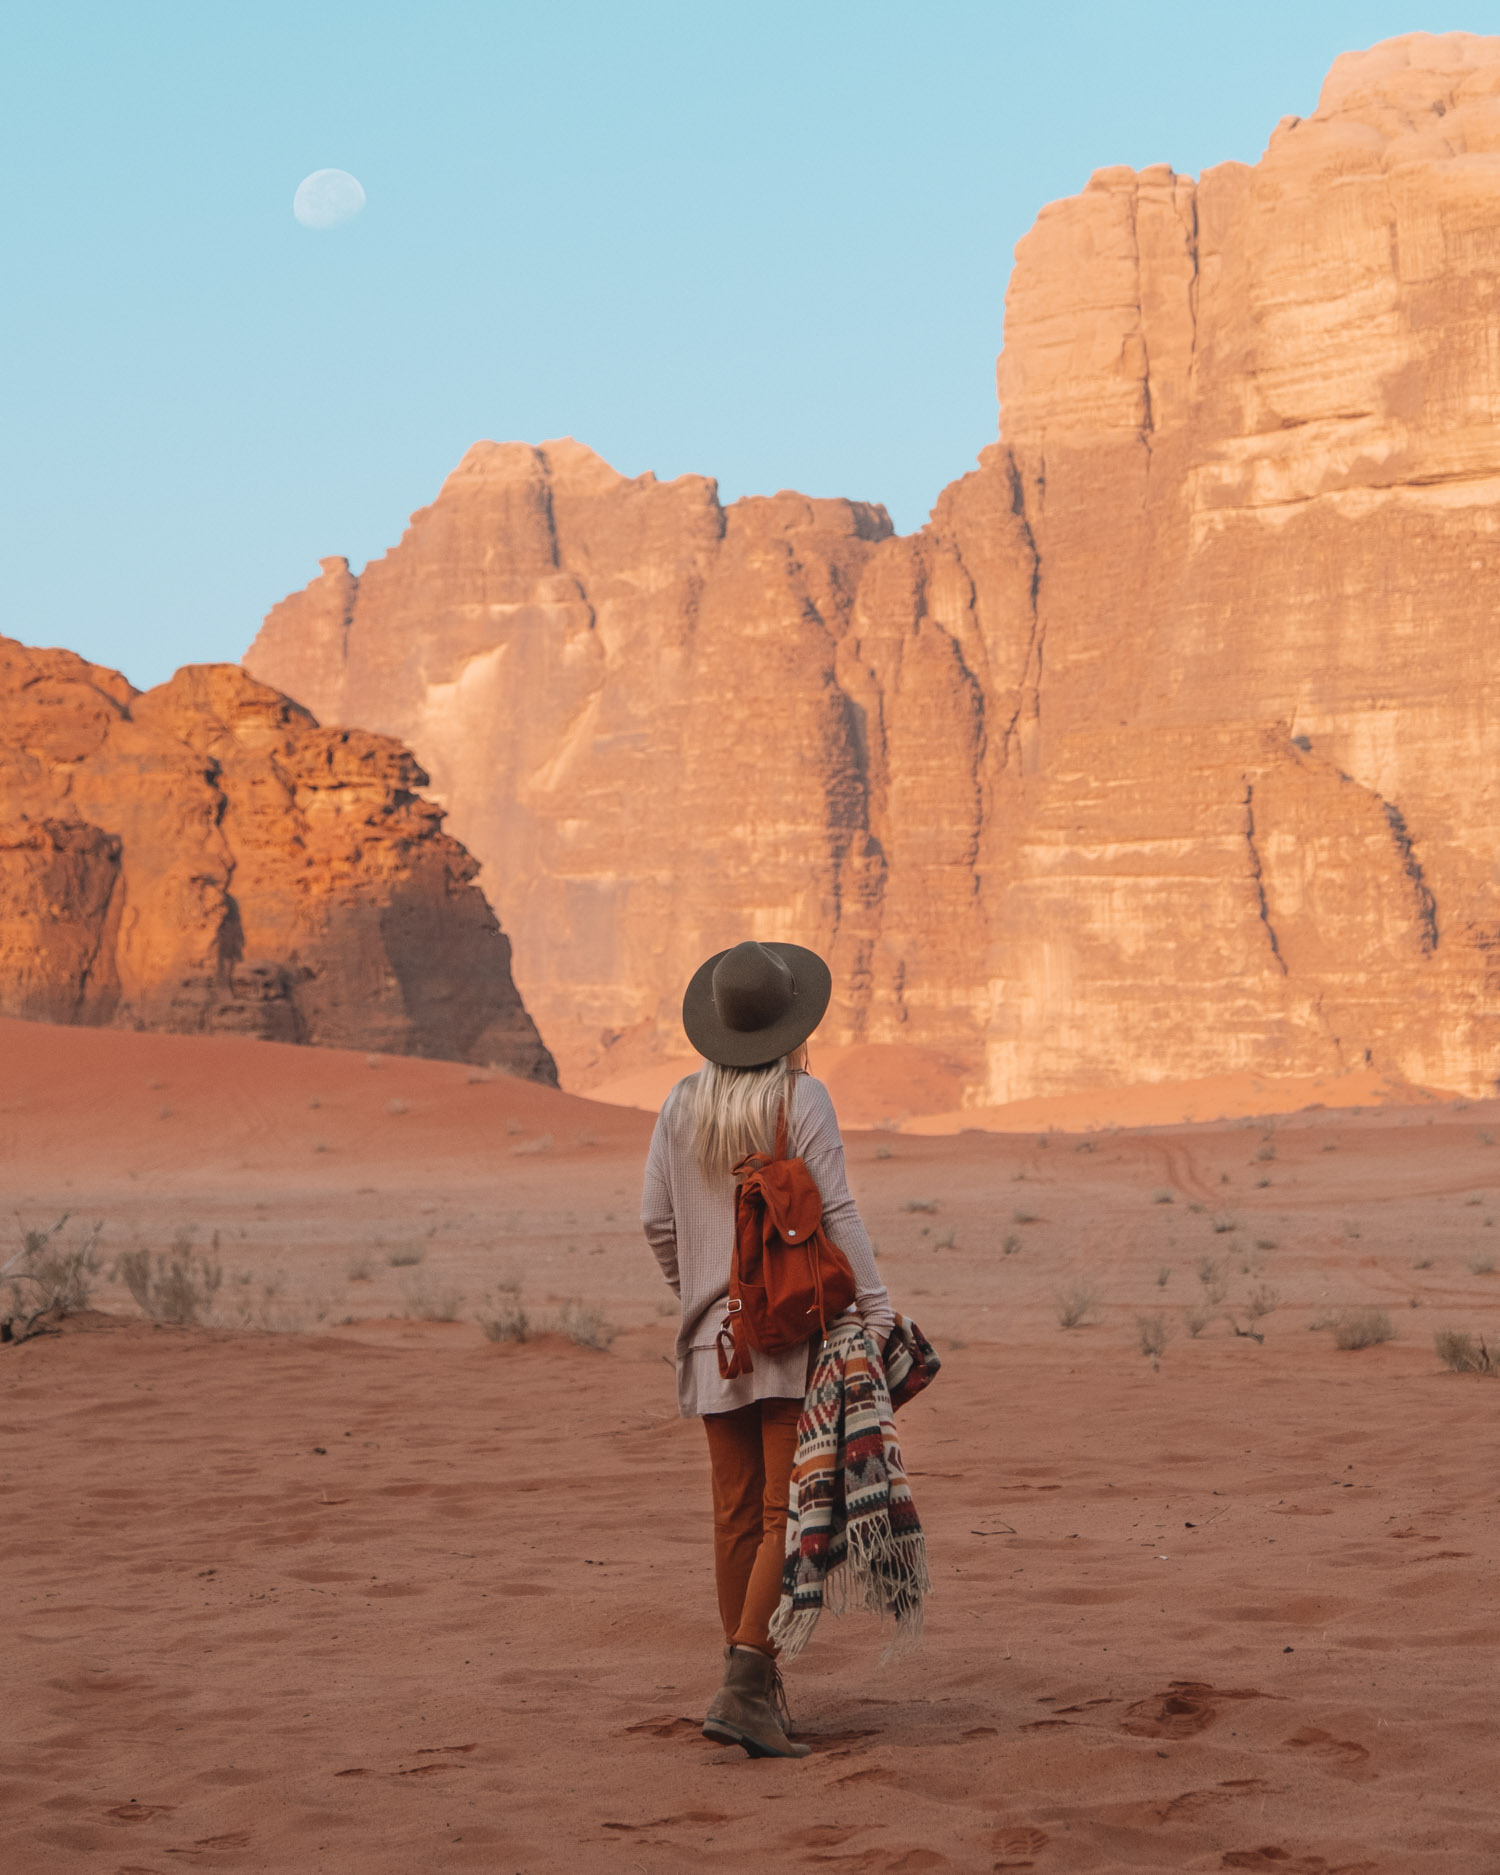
(767, 242)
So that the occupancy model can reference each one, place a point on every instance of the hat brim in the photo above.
(754, 1048)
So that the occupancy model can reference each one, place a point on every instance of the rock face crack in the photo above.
(1257, 877)
(1427, 923)
(1031, 670)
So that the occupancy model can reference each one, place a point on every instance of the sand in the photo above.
(365, 1592)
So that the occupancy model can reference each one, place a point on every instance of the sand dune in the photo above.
(382, 1596)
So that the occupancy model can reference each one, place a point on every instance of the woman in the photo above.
(748, 1012)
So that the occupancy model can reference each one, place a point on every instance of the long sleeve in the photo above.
(658, 1219)
(822, 1148)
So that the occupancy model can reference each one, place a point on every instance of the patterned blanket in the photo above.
(852, 1535)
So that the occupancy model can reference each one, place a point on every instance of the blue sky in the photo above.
(768, 243)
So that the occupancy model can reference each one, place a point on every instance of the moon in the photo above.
(326, 198)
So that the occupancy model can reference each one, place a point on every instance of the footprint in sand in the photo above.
(1278, 1861)
(1021, 1841)
(1186, 1707)
(1342, 1754)
(668, 1727)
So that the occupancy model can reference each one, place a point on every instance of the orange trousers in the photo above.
(750, 1451)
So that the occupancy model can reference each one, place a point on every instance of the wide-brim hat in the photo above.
(756, 1002)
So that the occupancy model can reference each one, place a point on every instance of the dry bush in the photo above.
(1010, 1246)
(585, 1326)
(919, 1204)
(1162, 1197)
(423, 1301)
(1215, 1283)
(174, 1285)
(1023, 1217)
(1265, 1243)
(1075, 1305)
(1151, 1336)
(505, 1320)
(541, 1144)
(405, 1256)
(1223, 1223)
(1263, 1301)
(1464, 1354)
(948, 1241)
(360, 1268)
(884, 1152)
(1362, 1328)
(1197, 1317)
(1266, 1153)
(1164, 1275)
(1482, 1265)
(1422, 1263)
(49, 1278)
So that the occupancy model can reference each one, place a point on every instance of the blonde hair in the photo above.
(735, 1109)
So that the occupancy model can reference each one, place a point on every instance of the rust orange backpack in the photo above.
(787, 1281)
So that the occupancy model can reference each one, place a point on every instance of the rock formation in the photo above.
(204, 858)
(1168, 747)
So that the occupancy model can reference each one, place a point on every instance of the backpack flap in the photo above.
(794, 1205)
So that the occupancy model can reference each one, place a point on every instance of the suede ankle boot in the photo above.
(742, 1712)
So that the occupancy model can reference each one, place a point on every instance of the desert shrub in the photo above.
(884, 1152)
(360, 1268)
(1486, 1139)
(1164, 1275)
(1265, 1243)
(1223, 1223)
(424, 1301)
(1195, 1206)
(173, 1285)
(1482, 1265)
(505, 1320)
(1075, 1305)
(1010, 1246)
(46, 1277)
(1422, 1263)
(1162, 1197)
(1196, 1318)
(1023, 1217)
(1263, 1300)
(585, 1325)
(1215, 1283)
(1362, 1328)
(948, 1241)
(1350, 1228)
(1465, 1354)
(405, 1256)
(1151, 1337)
(1266, 1153)
(919, 1204)
(543, 1143)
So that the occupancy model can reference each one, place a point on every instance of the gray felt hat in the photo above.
(750, 1005)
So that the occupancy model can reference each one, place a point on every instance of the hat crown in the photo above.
(752, 988)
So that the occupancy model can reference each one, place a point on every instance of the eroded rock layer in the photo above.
(1168, 747)
(203, 858)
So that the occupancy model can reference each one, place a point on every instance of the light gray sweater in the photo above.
(689, 1222)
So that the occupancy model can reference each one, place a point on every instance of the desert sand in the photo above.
(333, 1586)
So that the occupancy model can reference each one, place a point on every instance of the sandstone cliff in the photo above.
(1168, 747)
(205, 858)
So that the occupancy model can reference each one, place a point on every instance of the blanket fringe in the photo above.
(880, 1573)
